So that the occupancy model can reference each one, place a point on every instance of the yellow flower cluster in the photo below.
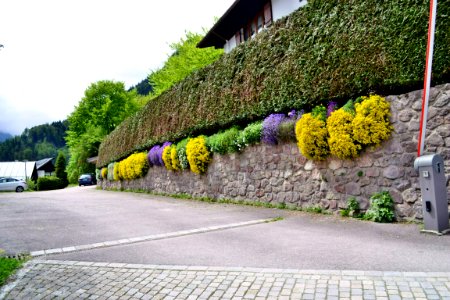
(116, 171)
(167, 157)
(344, 135)
(174, 157)
(134, 166)
(340, 129)
(198, 154)
(371, 124)
(104, 173)
(312, 137)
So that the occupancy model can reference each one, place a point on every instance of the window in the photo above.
(263, 19)
(260, 22)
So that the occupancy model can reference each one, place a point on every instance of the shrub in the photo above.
(299, 61)
(116, 172)
(198, 154)
(286, 131)
(371, 124)
(32, 186)
(49, 183)
(224, 142)
(353, 207)
(153, 156)
(249, 136)
(269, 134)
(133, 167)
(167, 157)
(311, 134)
(181, 152)
(340, 130)
(381, 208)
(319, 112)
(98, 174)
(104, 173)
(110, 174)
(174, 157)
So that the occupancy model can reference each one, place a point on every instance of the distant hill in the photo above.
(36, 143)
(4, 136)
(142, 88)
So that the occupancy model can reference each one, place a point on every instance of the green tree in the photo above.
(104, 106)
(60, 169)
(186, 59)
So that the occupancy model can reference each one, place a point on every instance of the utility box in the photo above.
(433, 185)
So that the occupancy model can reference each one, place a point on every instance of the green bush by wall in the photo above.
(327, 50)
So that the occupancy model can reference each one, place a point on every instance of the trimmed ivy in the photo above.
(327, 50)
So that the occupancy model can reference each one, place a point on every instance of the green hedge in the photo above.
(50, 183)
(327, 50)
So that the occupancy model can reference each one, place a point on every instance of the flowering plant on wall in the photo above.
(110, 175)
(174, 158)
(167, 157)
(116, 171)
(198, 155)
(371, 124)
(134, 166)
(312, 135)
(270, 126)
(364, 122)
(181, 153)
(153, 156)
(340, 130)
(104, 173)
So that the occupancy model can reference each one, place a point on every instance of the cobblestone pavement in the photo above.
(50, 279)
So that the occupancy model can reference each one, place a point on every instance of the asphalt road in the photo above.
(77, 216)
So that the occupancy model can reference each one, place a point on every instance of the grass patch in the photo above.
(7, 267)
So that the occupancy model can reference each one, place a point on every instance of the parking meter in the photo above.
(433, 186)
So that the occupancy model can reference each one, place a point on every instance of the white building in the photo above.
(244, 19)
(19, 170)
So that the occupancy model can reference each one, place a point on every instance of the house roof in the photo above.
(43, 162)
(234, 18)
(16, 169)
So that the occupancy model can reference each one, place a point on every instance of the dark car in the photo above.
(87, 179)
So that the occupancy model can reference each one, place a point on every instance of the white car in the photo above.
(12, 184)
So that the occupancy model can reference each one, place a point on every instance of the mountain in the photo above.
(4, 136)
(36, 143)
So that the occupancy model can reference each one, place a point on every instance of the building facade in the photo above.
(246, 18)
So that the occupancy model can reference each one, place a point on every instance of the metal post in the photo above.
(427, 81)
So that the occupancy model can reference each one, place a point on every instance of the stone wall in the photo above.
(280, 174)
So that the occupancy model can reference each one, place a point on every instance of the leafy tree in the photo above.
(104, 106)
(60, 169)
(186, 59)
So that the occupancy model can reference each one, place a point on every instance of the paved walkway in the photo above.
(51, 279)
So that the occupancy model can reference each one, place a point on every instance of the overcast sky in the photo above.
(54, 49)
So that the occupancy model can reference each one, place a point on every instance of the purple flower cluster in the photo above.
(269, 133)
(154, 156)
(331, 107)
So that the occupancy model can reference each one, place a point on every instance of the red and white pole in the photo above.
(427, 80)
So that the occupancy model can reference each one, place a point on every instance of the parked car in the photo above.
(12, 184)
(87, 179)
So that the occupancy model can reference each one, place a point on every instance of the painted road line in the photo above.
(148, 238)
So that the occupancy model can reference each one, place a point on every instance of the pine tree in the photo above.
(60, 169)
